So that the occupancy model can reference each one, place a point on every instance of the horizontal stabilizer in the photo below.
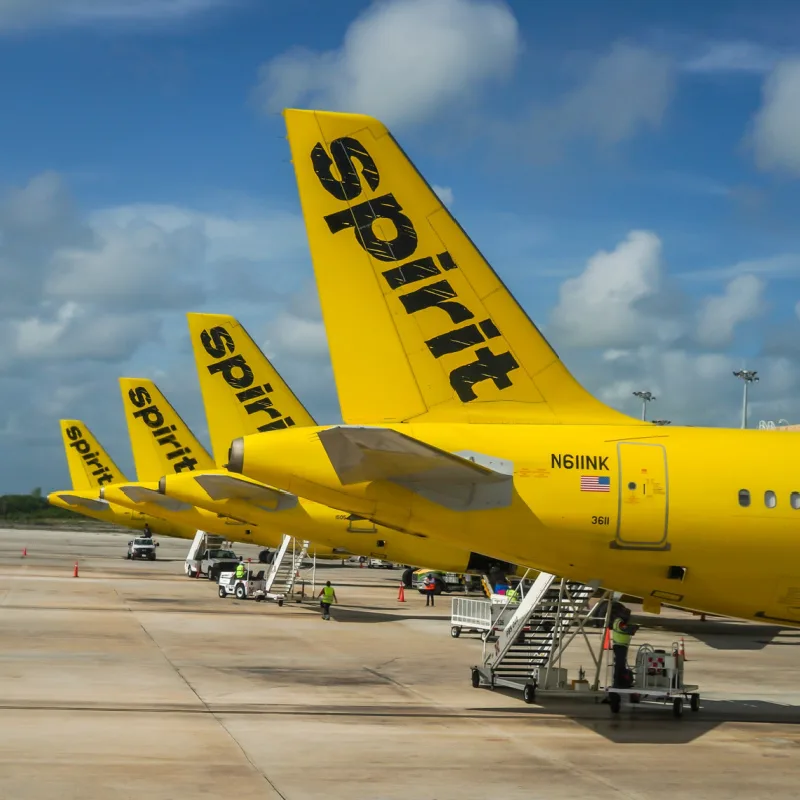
(139, 494)
(84, 502)
(464, 481)
(226, 487)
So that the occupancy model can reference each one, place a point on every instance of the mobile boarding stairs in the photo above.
(533, 635)
(280, 579)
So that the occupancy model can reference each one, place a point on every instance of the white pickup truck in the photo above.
(142, 547)
(211, 562)
(209, 556)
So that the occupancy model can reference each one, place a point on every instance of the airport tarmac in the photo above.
(135, 681)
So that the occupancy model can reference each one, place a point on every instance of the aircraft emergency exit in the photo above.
(464, 424)
(243, 393)
(91, 469)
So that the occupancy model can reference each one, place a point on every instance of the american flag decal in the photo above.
(595, 483)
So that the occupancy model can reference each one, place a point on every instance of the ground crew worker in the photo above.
(622, 632)
(429, 585)
(512, 595)
(239, 571)
(328, 596)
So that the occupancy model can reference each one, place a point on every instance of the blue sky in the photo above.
(629, 169)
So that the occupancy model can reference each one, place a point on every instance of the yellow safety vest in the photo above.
(618, 636)
(240, 570)
(512, 595)
(327, 594)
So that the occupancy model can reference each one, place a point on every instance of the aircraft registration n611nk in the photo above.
(463, 423)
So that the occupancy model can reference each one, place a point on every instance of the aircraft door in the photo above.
(643, 513)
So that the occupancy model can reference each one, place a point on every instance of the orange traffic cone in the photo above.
(401, 595)
(607, 640)
(75, 571)
(682, 651)
(24, 551)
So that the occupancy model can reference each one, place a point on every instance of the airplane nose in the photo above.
(236, 456)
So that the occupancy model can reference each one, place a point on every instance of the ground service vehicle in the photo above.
(252, 586)
(212, 563)
(142, 547)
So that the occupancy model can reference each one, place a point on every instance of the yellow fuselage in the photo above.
(328, 527)
(673, 501)
(234, 529)
(115, 514)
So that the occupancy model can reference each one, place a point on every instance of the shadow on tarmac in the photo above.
(650, 722)
(722, 634)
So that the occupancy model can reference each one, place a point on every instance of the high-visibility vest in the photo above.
(429, 584)
(618, 636)
(512, 595)
(327, 594)
(240, 570)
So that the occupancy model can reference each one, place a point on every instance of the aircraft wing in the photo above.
(139, 494)
(228, 487)
(84, 502)
(464, 481)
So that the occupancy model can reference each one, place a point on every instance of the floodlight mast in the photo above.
(645, 397)
(748, 376)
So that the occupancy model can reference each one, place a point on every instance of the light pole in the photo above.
(645, 397)
(661, 421)
(748, 376)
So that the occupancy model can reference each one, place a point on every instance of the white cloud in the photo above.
(253, 234)
(445, 194)
(298, 331)
(139, 263)
(21, 14)
(76, 332)
(785, 265)
(732, 56)
(776, 127)
(622, 92)
(401, 61)
(605, 306)
(742, 300)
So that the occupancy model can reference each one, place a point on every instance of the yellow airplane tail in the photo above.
(419, 325)
(161, 441)
(242, 392)
(90, 467)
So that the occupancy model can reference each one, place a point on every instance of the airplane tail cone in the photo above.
(75, 570)
(401, 595)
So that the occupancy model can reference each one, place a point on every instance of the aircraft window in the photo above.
(795, 500)
(770, 501)
(744, 497)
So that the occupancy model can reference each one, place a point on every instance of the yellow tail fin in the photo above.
(90, 467)
(419, 325)
(162, 442)
(242, 392)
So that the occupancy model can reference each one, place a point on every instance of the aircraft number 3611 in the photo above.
(600, 521)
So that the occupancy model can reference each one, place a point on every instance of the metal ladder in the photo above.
(534, 637)
(283, 570)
